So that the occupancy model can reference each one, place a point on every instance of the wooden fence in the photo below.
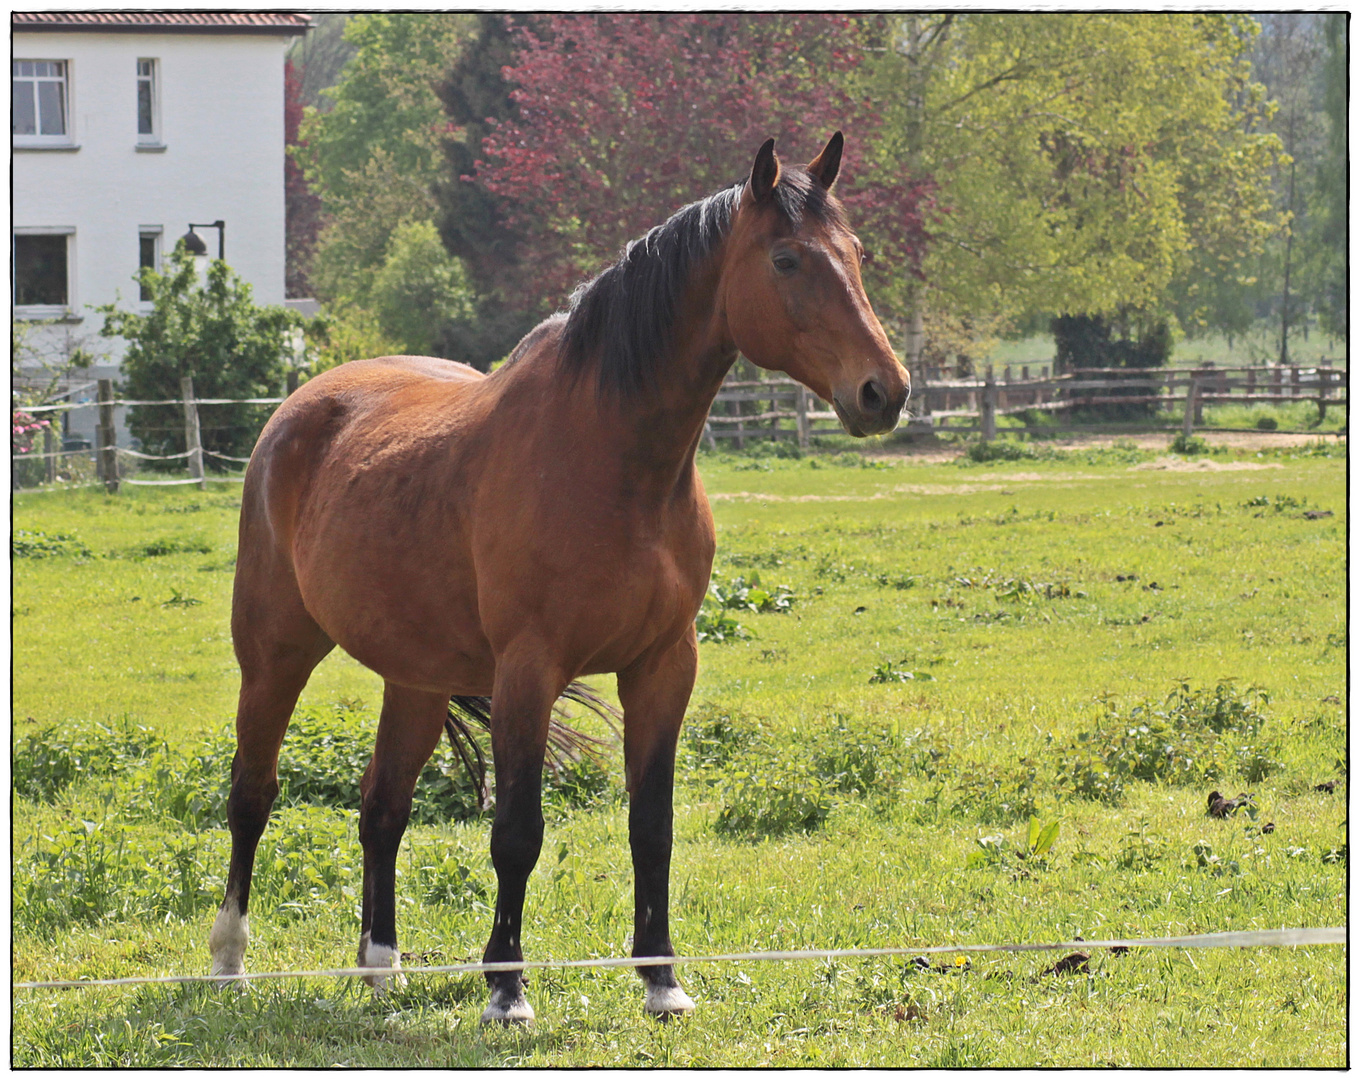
(782, 408)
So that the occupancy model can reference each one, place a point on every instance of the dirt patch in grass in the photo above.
(927, 448)
(1178, 464)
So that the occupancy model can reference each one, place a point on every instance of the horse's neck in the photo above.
(662, 429)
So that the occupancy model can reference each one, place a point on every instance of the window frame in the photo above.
(34, 312)
(67, 138)
(153, 137)
(156, 234)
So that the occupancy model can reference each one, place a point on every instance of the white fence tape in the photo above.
(69, 405)
(1232, 939)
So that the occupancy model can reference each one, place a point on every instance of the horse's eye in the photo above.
(865, 256)
(785, 263)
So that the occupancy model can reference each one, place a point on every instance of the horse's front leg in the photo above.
(408, 731)
(521, 706)
(654, 694)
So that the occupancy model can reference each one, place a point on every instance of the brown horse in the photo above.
(502, 535)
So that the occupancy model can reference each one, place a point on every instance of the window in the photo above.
(148, 130)
(42, 273)
(40, 107)
(149, 255)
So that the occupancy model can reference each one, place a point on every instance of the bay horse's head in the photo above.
(793, 294)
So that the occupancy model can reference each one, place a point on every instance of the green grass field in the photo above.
(1095, 639)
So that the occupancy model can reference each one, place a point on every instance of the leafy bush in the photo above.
(1177, 741)
(215, 332)
(999, 450)
(48, 761)
(1190, 445)
(24, 544)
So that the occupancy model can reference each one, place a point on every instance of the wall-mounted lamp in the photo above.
(194, 245)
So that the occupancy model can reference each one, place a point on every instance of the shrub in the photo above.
(1178, 741)
(48, 761)
(1266, 423)
(999, 450)
(1190, 445)
(215, 332)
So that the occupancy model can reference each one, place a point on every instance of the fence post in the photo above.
(803, 425)
(1324, 377)
(1191, 407)
(292, 382)
(989, 407)
(192, 441)
(50, 450)
(106, 437)
(1294, 382)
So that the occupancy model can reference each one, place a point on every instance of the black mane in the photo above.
(620, 322)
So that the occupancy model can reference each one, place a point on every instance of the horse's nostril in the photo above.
(872, 397)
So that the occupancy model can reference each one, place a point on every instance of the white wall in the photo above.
(221, 121)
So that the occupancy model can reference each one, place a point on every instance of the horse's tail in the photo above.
(565, 743)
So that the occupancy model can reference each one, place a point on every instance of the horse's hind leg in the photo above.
(408, 731)
(654, 694)
(278, 645)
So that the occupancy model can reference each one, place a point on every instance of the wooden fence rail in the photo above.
(781, 408)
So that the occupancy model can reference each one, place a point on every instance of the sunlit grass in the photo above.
(999, 581)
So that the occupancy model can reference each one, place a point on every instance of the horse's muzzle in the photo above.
(874, 409)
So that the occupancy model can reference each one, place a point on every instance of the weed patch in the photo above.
(1177, 741)
(48, 761)
(35, 544)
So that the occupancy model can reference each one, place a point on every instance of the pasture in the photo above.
(1093, 638)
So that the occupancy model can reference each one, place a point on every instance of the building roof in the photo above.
(162, 22)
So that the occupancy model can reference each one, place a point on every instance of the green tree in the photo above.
(419, 288)
(374, 155)
(1082, 160)
(473, 221)
(1332, 200)
(216, 333)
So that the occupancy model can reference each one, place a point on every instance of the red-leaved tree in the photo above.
(622, 119)
(302, 209)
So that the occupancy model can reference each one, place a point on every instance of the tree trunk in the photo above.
(1288, 251)
(917, 35)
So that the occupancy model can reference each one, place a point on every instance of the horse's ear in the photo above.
(827, 164)
(764, 173)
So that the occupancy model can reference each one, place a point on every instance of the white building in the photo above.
(126, 128)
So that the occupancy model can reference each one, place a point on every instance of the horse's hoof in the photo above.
(507, 1009)
(663, 1002)
(227, 945)
(380, 956)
